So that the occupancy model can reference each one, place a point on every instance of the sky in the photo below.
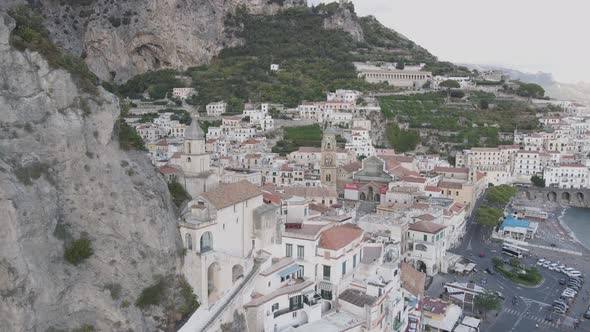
(528, 35)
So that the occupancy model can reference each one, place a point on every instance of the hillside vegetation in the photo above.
(312, 59)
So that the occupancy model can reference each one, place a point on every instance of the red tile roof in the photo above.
(338, 237)
(450, 185)
(168, 169)
(426, 227)
(412, 179)
(464, 170)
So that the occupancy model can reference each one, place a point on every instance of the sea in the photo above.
(578, 221)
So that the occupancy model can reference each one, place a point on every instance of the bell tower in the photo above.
(328, 170)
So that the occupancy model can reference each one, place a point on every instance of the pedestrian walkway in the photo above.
(530, 316)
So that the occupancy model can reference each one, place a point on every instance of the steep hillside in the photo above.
(120, 39)
(315, 48)
(85, 226)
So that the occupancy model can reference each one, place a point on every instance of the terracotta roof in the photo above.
(303, 191)
(464, 170)
(403, 159)
(309, 149)
(251, 141)
(168, 169)
(232, 193)
(321, 208)
(431, 188)
(420, 206)
(571, 165)
(412, 179)
(352, 167)
(426, 217)
(435, 306)
(162, 143)
(457, 207)
(450, 185)
(338, 237)
(426, 227)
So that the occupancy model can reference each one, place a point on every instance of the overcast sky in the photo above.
(530, 35)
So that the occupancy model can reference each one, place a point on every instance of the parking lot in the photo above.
(524, 308)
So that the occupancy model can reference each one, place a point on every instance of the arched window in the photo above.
(188, 239)
(420, 247)
(206, 242)
(328, 177)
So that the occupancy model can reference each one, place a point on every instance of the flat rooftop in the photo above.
(357, 298)
(334, 322)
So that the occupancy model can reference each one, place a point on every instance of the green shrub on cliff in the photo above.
(30, 33)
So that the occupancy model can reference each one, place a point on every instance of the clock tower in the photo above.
(328, 170)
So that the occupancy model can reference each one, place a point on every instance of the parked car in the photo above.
(490, 270)
(546, 263)
(559, 311)
(587, 313)
(575, 274)
(562, 281)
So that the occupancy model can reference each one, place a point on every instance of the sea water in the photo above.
(578, 221)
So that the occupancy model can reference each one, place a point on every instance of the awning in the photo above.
(289, 270)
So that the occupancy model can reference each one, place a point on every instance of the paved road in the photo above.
(533, 304)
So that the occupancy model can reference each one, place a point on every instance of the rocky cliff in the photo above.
(120, 39)
(62, 177)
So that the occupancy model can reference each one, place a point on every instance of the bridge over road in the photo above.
(571, 197)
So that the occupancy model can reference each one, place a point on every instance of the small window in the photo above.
(289, 249)
(425, 237)
(275, 307)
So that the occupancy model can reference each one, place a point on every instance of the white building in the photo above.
(221, 230)
(567, 176)
(345, 96)
(216, 109)
(427, 246)
(182, 93)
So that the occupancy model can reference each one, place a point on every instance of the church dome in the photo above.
(194, 131)
(330, 131)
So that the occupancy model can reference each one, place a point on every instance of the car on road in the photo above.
(500, 295)
(562, 281)
(481, 254)
(587, 313)
(490, 270)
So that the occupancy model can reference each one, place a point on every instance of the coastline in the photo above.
(566, 228)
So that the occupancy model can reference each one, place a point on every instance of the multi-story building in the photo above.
(182, 93)
(567, 176)
(427, 244)
(216, 109)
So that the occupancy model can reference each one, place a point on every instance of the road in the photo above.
(533, 304)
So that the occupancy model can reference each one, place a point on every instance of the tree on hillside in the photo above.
(487, 301)
(530, 90)
(538, 181)
(450, 84)
(402, 140)
(488, 216)
(400, 65)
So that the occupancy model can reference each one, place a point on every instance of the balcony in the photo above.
(291, 308)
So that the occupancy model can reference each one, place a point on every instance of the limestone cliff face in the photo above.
(120, 39)
(63, 175)
(345, 19)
